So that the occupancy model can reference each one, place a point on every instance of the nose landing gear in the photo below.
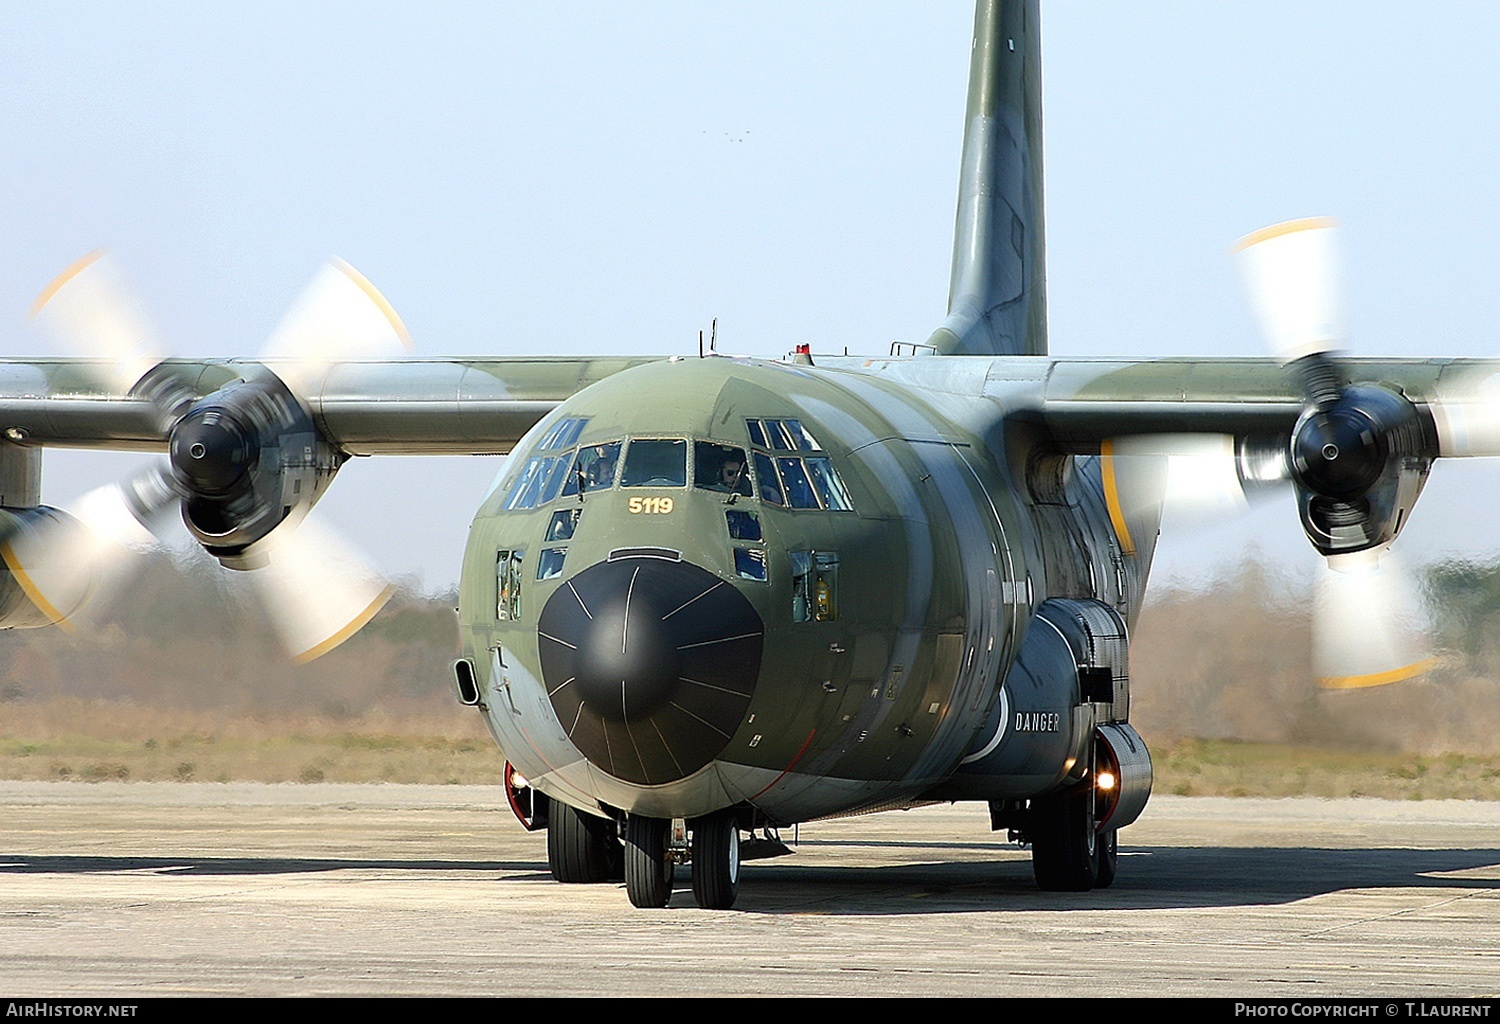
(716, 860)
(648, 861)
(651, 857)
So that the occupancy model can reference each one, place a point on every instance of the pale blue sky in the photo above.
(569, 177)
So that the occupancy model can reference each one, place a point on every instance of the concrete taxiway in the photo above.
(138, 890)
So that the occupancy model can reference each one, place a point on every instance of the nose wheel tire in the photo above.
(716, 860)
(648, 872)
(1064, 844)
(582, 848)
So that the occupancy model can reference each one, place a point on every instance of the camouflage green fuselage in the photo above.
(874, 645)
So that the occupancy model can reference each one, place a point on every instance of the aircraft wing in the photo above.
(367, 407)
(1083, 402)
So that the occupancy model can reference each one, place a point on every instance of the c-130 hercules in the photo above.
(781, 590)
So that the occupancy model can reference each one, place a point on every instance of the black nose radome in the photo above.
(650, 665)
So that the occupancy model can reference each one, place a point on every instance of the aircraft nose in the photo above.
(650, 664)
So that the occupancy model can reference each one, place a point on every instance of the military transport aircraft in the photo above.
(777, 590)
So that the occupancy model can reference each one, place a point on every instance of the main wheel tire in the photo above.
(648, 872)
(1107, 852)
(581, 847)
(1064, 845)
(716, 860)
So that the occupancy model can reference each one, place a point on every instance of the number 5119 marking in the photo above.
(650, 506)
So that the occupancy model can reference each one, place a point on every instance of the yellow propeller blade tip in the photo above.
(379, 300)
(1289, 227)
(1395, 675)
(74, 269)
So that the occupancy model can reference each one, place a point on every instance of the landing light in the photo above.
(1106, 781)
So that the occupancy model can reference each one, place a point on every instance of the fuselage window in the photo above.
(562, 525)
(720, 467)
(594, 468)
(653, 463)
(750, 563)
(743, 524)
(550, 563)
(508, 585)
(770, 483)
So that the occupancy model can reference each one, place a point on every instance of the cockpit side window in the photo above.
(721, 467)
(594, 468)
(799, 492)
(789, 477)
(770, 483)
(827, 483)
(800, 435)
(528, 481)
(562, 434)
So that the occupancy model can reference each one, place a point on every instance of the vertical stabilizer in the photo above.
(997, 300)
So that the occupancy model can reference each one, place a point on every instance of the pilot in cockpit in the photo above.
(598, 465)
(722, 468)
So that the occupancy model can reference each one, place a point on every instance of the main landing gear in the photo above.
(1068, 852)
(714, 852)
(583, 847)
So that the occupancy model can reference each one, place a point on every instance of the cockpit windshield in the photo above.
(784, 466)
(653, 463)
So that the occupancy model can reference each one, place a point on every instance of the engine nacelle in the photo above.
(246, 459)
(42, 579)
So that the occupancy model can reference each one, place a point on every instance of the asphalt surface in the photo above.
(138, 890)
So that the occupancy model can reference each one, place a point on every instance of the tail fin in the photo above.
(997, 300)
